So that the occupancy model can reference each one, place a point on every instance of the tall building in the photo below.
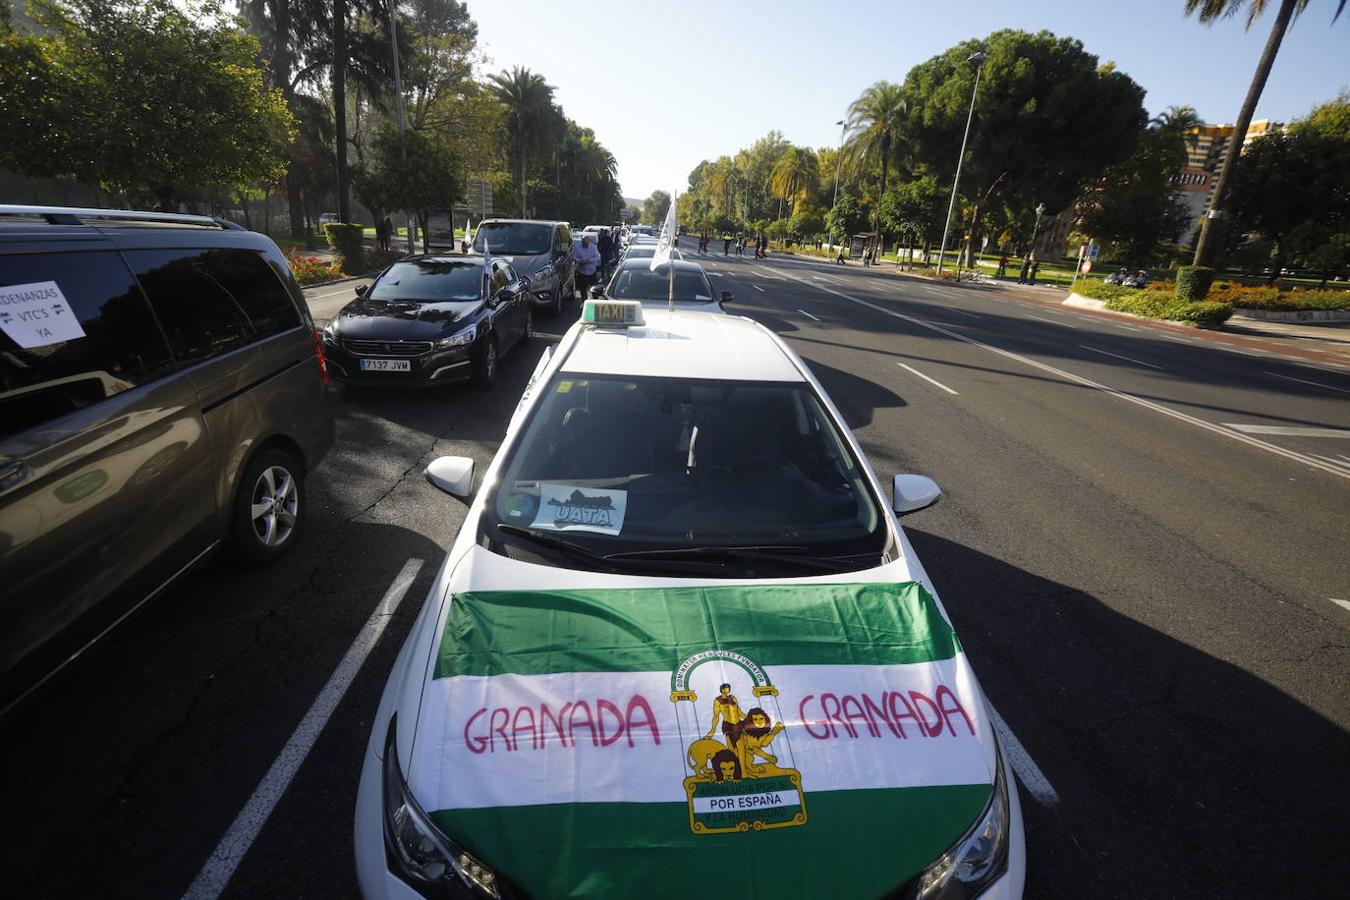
(1206, 149)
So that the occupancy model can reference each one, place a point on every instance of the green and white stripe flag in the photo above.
(788, 740)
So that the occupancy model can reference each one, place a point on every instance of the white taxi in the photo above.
(681, 644)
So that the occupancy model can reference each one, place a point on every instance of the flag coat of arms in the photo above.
(799, 739)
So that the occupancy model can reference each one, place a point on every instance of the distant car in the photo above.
(172, 403)
(634, 279)
(647, 251)
(539, 250)
(680, 634)
(429, 320)
(325, 218)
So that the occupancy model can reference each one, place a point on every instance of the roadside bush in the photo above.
(348, 241)
(1193, 282)
(1275, 300)
(311, 269)
(378, 260)
(1156, 304)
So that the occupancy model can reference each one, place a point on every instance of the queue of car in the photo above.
(680, 630)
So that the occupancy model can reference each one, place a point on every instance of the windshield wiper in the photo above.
(557, 543)
(794, 555)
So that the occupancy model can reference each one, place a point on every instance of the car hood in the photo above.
(368, 319)
(560, 696)
(527, 264)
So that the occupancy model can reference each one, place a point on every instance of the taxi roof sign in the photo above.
(612, 313)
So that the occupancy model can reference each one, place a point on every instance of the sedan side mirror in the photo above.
(596, 291)
(727, 296)
(524, 282)
(361, 289)
(452, 474)
(913, 493)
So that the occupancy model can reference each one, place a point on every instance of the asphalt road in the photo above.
(1141, 569)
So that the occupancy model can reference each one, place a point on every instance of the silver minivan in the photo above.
(161, 396)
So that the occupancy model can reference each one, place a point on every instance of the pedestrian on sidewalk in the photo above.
(1026, 267)
(726, 245)
(1035, 267)
(1002, 267)
(587, 258)
(839, 260)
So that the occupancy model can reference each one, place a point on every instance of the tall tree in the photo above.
(655, 207)
(1209, 11)
(794, 176)
(422, 175)
(531, 114)
(873, 127)
(1048, 118)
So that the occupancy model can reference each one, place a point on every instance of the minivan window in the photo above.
(514, 238)
(212, 301)
(122, 346)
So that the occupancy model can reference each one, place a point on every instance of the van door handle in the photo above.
(12, 472)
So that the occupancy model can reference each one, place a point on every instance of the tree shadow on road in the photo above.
(1179, 774)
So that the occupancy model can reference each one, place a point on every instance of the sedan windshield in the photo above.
(639, 282)
(513, 238)
(684, 476)
(430, 281)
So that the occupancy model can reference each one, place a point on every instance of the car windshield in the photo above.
(639, 282)
(514, 238)
(678, 475)
(430, 281)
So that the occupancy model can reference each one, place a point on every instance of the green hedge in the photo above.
(1155, 304)
(1193, 282)
(348, 242)
(1276, 300)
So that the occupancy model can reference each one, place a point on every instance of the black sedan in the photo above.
(430, 320)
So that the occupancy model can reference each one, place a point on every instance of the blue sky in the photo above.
(665, 85)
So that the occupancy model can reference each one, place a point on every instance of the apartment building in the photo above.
(1206, 150)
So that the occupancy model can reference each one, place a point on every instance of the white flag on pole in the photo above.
(667, 239)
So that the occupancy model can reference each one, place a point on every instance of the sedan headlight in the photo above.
(459, 339)
(978, 859)
(415, 848)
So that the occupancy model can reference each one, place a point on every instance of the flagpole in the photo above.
(670, 303)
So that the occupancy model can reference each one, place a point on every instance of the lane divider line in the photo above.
(215, 875)
(1048, 321)
(1086, 382)
(1328, 387)
(808, 315)
(1030, 774)
(1343, 604)
(1289, 430)
(1137, 362)
(932, 381)
(758, 288)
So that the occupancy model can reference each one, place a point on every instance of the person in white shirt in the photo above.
(587, 258)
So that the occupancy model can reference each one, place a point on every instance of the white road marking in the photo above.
(758, 288)
(1030, 774)
(963, 312)
(1302, 381)
(1126, 327)
(829, 278)
(808, 315)
(1137, 362)
(350, 288)
(1047, 321)
(215, 875)
(767, 274)
(1343, 604)
(1289, 430)
(1086, 382)
(1179, 340)
(1333, 460)
(927, 379)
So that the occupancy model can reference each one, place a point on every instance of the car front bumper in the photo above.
(431, 368)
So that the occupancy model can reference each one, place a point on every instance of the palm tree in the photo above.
(794, 175)
(873, 130)
(1209, 11)
(1179, 121)
(531, 115)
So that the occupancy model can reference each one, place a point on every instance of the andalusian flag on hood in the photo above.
(773, 741)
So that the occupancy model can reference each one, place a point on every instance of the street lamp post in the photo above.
(1040, 211)
(978, 58)
(838, 164)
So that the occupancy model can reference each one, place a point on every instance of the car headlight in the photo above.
(330, 333)
(415, 848)
(545, 272)
(978, 859)
(459, 339)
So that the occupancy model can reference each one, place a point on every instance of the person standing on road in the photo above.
(605, 246)
(1026, 267)
(726, 245)
(839, 260)
(587, 258)
(1035, 267)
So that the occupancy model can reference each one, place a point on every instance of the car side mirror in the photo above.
(362, 289)
(524, 282)
(913, 493)
(596, 291)
(727, 296)
(452, 474)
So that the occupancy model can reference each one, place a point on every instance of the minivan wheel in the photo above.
(485, 369)
(269, 509)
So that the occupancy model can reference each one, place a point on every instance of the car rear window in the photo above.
(213, 301)
(639, 282)
(116, 346)
(514, 238)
